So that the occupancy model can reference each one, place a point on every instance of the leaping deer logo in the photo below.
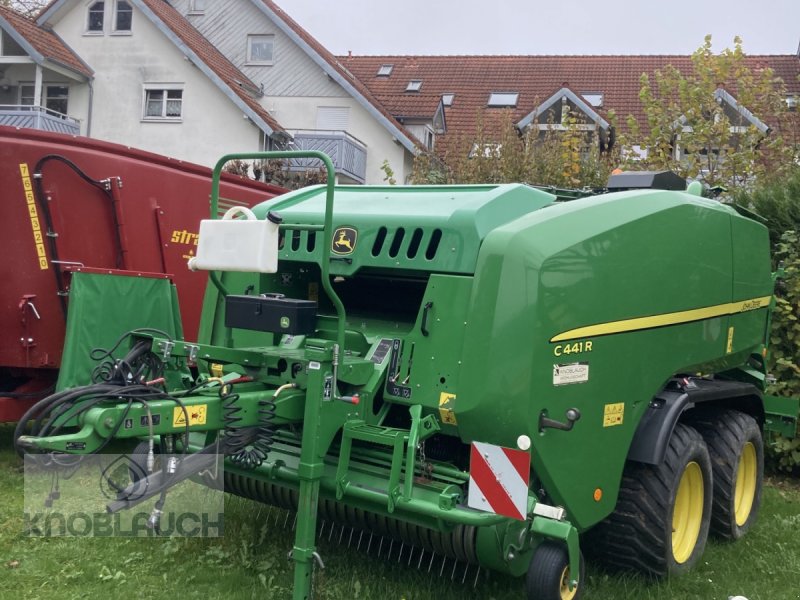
(344, 240)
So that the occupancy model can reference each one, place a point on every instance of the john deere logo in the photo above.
(344, 240)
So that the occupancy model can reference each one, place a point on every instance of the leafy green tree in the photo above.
(717, 145)
(778, 201)
(567, 156)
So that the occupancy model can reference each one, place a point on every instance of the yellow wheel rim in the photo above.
(566, 594)
(687, 515)
(745, 491)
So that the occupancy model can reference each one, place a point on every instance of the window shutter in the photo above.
(333, 118)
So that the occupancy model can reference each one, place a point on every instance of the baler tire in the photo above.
(548, 574)
(639, 533)
(737, 458)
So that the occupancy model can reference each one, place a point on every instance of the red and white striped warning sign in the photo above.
(498, 480)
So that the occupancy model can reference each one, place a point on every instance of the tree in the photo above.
(566, 156)
(693, 129)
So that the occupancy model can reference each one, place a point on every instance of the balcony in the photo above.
(348, 154)
(38, 117)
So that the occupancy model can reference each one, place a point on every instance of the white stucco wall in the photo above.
(211, 124)
(301, 113)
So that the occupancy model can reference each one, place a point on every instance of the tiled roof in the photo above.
(45, 42)
(237, 81)
(340, 67)
(536, 78)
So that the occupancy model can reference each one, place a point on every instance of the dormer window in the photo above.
(385, 70)
(503, 99)
(96, 16)
(593, 98)
(414, 85)
(123, 16)
(791, 102)
(447, 99)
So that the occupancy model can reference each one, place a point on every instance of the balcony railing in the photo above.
(37, 117)
(349, 155)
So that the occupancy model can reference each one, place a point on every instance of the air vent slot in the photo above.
(311, 241)
(413, 246)
(433, 244)
(379, 240)
(394, 249)
(296, 240)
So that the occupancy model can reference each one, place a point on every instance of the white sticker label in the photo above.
(313, 366)
(571, 373)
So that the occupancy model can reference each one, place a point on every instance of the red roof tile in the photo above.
(237, 81)
(536, 78)
(45, 42)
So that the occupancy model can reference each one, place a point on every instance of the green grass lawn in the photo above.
(250, 561)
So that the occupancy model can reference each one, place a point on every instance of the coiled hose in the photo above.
(248, 447)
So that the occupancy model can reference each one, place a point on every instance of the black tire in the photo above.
(736, 448)
(639, 533)
(548, 574)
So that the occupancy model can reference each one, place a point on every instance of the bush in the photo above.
(784, 454)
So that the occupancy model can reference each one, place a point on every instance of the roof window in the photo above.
(502, 99)
(385, 70)
(447, 99)
(414, 85)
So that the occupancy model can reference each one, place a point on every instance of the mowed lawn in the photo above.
(250, 561)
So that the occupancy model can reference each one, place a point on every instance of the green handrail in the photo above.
(328, 231)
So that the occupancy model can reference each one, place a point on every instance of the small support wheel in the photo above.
(549, 576)
(737, 459)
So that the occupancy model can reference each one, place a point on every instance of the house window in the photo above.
(414, 85)
(163, 104)
(54, 97)
(385, 70)
(503, 99)
(96, 15)
(593, 98)
(197, 6)
(27, 96)
(260, 49)
(791, 102)
(447, 99)
(123, 16)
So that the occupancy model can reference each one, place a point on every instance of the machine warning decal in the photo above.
(446, 413)
(38, 237)
(571, 373)
(197, 415)
(344, 240)
(381, 351)
(499, 479)
(613, 414)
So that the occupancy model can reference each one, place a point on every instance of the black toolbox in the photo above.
(271, 312)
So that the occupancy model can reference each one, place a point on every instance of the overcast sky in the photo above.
(552, 27)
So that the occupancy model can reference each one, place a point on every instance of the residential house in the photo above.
(311, 92)
(159, 84)
(38, 72)
(536, 90)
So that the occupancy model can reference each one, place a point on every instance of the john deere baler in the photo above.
(477, 371)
